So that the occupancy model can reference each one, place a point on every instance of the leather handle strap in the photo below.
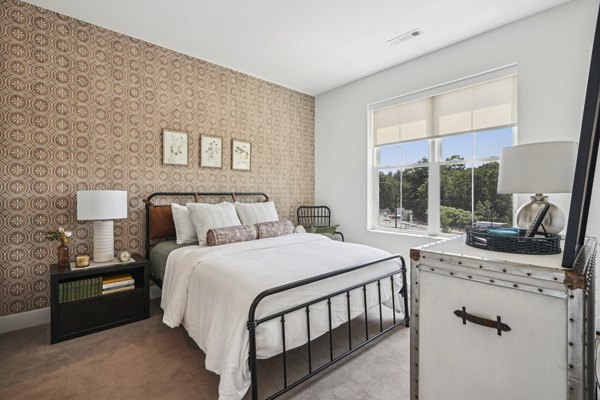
(488, 323)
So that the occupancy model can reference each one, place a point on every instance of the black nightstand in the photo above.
(81, 317)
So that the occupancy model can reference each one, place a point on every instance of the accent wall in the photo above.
(82, 107)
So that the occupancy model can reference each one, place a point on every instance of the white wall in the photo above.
(552, 52)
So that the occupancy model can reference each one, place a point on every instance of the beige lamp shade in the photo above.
(547, 167)
(94, 205)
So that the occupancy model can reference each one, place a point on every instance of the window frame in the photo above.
(435, 154)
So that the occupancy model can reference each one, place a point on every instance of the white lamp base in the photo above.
(554, 221)
(104, 241)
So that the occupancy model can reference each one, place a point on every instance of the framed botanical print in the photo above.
(211, 151)
(175, 148)
(240, 155)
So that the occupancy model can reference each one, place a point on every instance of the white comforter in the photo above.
(209, 290)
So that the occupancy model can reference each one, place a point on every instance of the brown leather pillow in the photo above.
(231, 234)
(161, 222)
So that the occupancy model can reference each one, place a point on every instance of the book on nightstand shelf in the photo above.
(117, 283)
(120, 289)
(79, 290)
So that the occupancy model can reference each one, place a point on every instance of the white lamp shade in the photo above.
(547, 167)
(101, 205)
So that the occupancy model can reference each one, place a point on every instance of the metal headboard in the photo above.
(196, 196)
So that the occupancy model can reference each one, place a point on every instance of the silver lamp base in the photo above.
(554, 221)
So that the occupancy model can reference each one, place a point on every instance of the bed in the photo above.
(245, 301)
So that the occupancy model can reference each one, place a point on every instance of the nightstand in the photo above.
(501, 325)
(71, 319)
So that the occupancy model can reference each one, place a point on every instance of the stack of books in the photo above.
(79, 289)
(117, 283)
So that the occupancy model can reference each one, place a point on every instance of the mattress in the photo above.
(159, 255)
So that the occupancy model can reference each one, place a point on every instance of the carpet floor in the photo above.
(148, 360)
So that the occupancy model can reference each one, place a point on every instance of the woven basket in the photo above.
(477, 237)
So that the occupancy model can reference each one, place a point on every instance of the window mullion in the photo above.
(472, 194)
(434, 197)
(401, 198)
(475, 156)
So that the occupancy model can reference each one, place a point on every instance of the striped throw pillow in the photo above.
(210, 216)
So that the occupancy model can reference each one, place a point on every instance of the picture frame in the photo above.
(537, 222)
(241, 155)
(587, 155)
(211, 151)
(175, 147)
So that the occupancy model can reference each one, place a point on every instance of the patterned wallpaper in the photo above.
(82, 107)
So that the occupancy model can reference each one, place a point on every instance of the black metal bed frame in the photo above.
(253, 322)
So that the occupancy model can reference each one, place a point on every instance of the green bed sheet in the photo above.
(159, 255)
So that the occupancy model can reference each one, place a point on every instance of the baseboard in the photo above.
(155, 292)
(24, 320)
(14, 322)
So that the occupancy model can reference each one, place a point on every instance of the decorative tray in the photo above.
(480, 238)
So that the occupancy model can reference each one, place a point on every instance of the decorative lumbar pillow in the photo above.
(210, 216)
(255, 213)
(275, 228)
(161, 222)
(232, 234)
(184, 229)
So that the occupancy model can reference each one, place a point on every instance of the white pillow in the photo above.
(300, 229)
(211, 216)
(256, 213)
(184, 229)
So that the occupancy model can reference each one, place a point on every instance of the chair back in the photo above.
(313, 216)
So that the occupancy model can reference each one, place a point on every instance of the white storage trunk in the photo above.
(526, 331)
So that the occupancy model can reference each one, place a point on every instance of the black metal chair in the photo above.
(317, 216)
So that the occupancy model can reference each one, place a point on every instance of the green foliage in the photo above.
(389, 190)
(455, 185)
(415, 187)
(490, 206)
(455, 218)
(414, 190)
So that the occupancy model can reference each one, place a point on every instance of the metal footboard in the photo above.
(253, 322)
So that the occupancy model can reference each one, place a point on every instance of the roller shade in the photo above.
(403, 122)
(491, 104)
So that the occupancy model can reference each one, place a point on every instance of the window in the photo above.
(435, 159)
(403, 184)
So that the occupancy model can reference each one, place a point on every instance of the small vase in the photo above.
(63, 255)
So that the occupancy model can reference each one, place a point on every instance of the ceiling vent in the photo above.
(405, 36)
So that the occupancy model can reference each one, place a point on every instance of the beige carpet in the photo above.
(148, 360)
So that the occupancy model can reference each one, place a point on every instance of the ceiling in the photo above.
(307, 45)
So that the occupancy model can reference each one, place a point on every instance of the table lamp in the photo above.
(547, 167)
(102, 207)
